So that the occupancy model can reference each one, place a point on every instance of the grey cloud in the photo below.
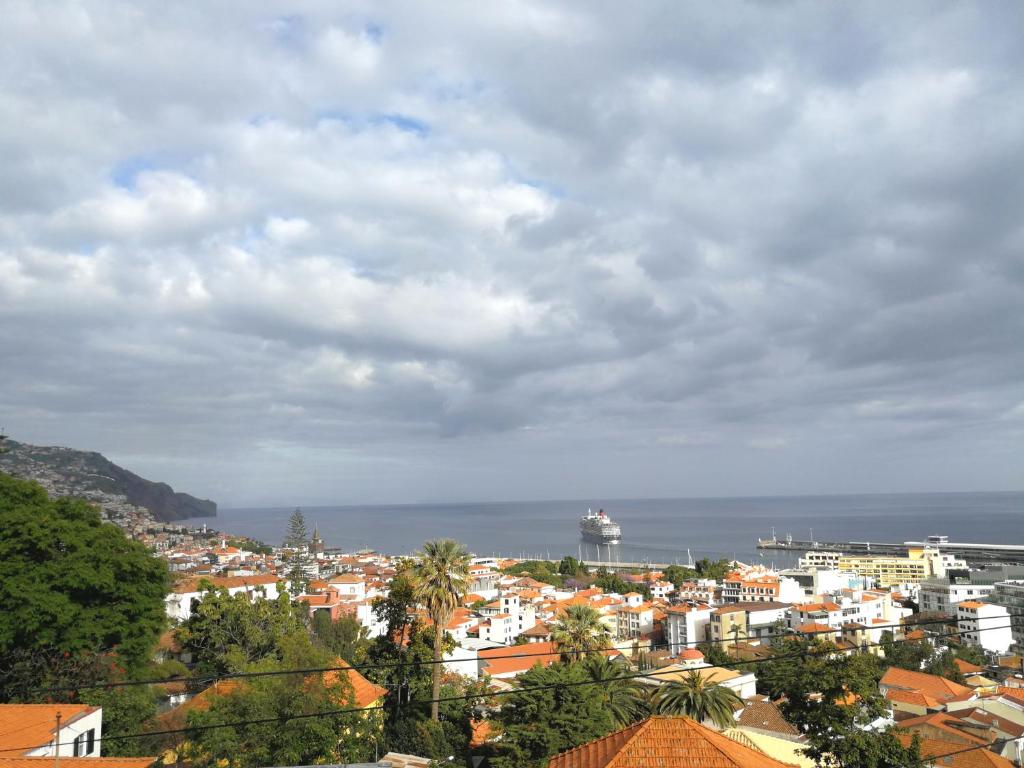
(617, 236)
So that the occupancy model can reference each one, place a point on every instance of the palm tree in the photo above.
(441, 579)
(694, 697)
(578, 632)
(624, 696)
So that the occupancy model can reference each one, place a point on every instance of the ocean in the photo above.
(653, 530)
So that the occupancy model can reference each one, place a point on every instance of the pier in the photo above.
(972, 553)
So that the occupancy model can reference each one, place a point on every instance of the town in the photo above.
(944, 641)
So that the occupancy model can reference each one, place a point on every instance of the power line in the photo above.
(429, 662)
(803, 655)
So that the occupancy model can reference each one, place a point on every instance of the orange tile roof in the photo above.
(364, 692)
(931, 685)
(814, 627)
(666, 742)
(976, 758)
(765, 716)
(971, 604)
(347, 578)
(1013, 693)
(912, 697)
(942, 721)
(227, 582)
(967, 668)
(32, 725)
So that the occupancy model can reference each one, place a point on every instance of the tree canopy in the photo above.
(227, 633)
(71, 584)
(541, 723)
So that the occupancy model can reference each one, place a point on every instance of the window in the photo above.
(84, 743)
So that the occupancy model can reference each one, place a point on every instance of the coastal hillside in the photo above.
(90, 475)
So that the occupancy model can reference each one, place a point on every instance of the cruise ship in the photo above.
(598, 527)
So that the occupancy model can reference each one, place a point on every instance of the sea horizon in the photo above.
(673, 529)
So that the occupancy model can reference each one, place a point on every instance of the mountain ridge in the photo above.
(92, 476)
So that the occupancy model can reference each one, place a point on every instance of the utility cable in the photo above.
(428, 662)
(467, 697)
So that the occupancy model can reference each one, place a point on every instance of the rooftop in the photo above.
(666, 742)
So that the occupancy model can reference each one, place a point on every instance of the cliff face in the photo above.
(90, 475)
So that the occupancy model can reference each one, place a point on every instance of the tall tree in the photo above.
(285, 739)
(554, 710)
(297, 539)
(441, 579)
(345, 637)
(832, 698)
(695, 697)
(623, 695)
(71, 584)
(579, 632)
(227, 633)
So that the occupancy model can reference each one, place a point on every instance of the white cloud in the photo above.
(431, 227)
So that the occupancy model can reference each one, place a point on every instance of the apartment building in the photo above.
(920, 564)
(759, 587)
(984, 625)
(686, 625)
(746, 621)
(943, 595)
(1010, 595)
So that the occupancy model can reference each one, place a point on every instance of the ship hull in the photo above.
(597, 538)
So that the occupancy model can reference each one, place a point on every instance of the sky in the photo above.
(318, 252)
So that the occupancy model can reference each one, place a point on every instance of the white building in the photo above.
(81, 730)
(826, 560)
(506, 618)
(941, 596)
(984, 625)
(686, 625)
(189, 592)
(349, 584)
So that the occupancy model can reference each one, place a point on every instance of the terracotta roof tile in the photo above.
(932, 685)
(666, 742)
(765, 716)
(32, 725)
(976, 758)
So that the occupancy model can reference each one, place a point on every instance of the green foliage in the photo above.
(297, 539)
(407, 674)
(677, 574)
(72, 584)
(126, 709)
(345, 638)
(227, 633)
(303, 741)
(696, 698)
(972, 654)
(943, 663)
(830, 697)
(541, 570)
(579, 632)
(441, 578)
(251, 545)
(570, 566)
(541, 723)
(714, 654)
(905, 655)
(612, 582)
(623, 696)
(395, 610)
(713, 569)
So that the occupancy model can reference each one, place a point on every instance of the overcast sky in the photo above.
(316, 252)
